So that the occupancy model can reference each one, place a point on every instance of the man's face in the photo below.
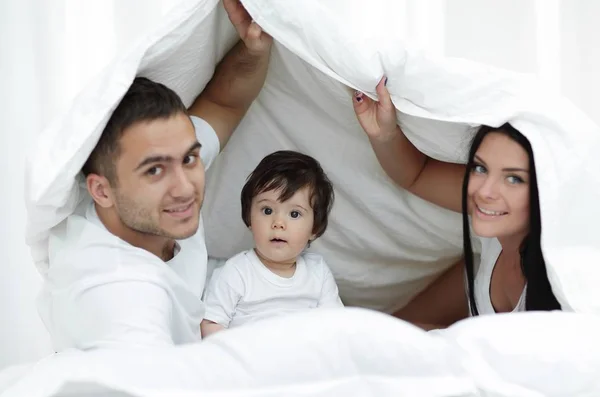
(160, 178)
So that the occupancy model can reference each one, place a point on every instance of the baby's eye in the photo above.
(295, 214)
(267, 210)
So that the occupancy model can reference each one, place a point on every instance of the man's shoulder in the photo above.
(207, 136)
(83, 231)
(81, 249)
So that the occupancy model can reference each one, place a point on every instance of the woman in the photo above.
(496, 191)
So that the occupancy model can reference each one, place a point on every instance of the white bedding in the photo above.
(345, 352)
(383, 244)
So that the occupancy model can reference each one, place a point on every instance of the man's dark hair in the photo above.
(290, 171)
(145, 100)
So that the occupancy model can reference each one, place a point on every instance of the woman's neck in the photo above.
(511, 248)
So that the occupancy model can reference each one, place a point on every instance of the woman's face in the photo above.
(498, 191)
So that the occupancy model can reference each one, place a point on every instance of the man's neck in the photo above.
(160, 246)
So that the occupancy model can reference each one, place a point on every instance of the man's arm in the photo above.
(238, 78)
(223, 293)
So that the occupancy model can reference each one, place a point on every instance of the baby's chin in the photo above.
(279, 258)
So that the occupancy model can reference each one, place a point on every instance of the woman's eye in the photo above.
(267, 211)
(295, 214)
(479, 169)
(514, 180)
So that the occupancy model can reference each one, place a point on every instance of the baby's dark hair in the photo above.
(290, 171)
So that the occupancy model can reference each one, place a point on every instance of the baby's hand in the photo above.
(378, 119)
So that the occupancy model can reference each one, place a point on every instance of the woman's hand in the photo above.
(378, 119)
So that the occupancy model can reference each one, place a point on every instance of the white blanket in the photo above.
(383, 244)
(344, 352)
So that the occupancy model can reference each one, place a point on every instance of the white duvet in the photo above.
(350, 352)
(383, 244)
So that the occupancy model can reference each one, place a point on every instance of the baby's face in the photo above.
(281, 230)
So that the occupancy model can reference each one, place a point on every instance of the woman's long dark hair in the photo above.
(539, 294)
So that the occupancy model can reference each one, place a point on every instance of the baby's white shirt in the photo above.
(245, 290)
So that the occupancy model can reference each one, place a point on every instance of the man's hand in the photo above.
(238, 78)
(378, 119)
(257, 41)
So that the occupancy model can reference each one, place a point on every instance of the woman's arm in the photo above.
(437, 182)
(441, 304)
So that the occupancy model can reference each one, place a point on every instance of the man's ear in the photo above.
(100, 190)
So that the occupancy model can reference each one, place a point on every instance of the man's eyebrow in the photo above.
(196, 145)
(154, 159)
(164, 159)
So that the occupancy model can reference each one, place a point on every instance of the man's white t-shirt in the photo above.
(101, 291)
(490, 251)
(245, 290)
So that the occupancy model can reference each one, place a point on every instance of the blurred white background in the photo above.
(50, 50)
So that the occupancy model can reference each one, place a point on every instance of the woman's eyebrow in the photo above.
(508, 169)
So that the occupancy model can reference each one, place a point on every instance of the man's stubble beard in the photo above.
(141, 220)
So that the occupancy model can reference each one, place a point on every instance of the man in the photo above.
(128, 267)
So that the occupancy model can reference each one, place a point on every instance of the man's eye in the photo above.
(190, 159)
(154, 171)
(267, 211)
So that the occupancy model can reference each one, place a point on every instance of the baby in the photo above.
(285, 204)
